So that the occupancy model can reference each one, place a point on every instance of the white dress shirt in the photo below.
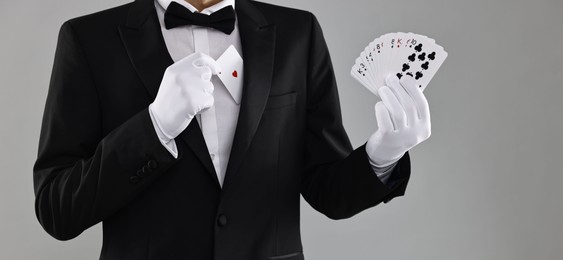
(218, 123)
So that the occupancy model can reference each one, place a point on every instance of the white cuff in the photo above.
(169, 144)
(383, 173)
(384, 170)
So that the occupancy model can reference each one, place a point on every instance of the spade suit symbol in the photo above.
(399, 75)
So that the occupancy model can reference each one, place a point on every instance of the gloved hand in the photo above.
(403, 120)
(185, 91)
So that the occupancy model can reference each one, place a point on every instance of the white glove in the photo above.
(403, 120)
(185, 91)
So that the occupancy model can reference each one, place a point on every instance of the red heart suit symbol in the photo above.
(235, 74)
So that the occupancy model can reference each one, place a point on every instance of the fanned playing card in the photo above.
(398, 54)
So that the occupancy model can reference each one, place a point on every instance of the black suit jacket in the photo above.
(100, 159)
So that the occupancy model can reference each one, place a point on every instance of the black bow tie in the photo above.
(222, 20)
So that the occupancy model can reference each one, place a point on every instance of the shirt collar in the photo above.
(209, 10)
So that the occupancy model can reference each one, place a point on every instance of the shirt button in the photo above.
(222, 220)
(212, 156)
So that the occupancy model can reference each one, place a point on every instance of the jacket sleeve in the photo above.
(337, 180)
(81, 177)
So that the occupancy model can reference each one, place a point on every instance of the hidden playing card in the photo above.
(398, 54)
(231, 72)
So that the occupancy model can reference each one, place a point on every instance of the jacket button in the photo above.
(146, 170)
(134, 179)
(222, 220)
(152, 164)
(140, 173)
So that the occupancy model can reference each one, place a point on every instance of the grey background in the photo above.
(486, 185)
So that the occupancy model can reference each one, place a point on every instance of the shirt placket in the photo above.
(208, 118)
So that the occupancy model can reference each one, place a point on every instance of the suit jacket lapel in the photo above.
(145, 45)
(147, 50)
(257, 39)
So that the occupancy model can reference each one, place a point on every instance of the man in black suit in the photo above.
(120, 144)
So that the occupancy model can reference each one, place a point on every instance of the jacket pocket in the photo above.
(292, 256)
(280, 101)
